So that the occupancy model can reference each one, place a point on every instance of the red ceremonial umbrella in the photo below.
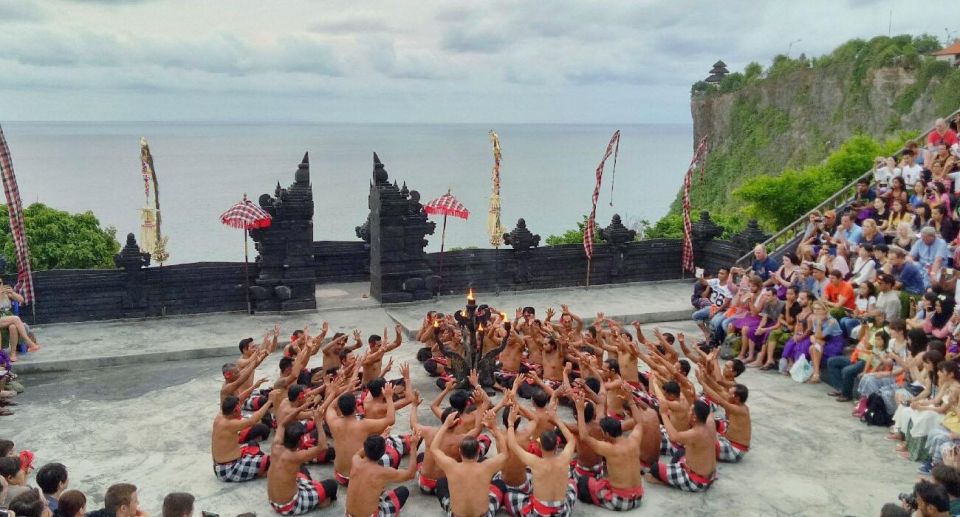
(445, 205)
(246, 216)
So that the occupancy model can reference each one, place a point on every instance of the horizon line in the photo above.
(303, 122)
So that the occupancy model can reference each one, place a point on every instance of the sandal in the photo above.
(5, 412)
(844, 399)
(834, 394)
(814, 380)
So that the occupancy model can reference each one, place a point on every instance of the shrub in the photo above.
(60, 240)
(575, 236)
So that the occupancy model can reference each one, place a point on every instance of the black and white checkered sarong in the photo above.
(678, 475)
(516, 496)
(728, 452)
(307, 498)
(244, 468)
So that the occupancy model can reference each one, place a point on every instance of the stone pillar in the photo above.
(397, 225)
(522, 241)
(617, 237)
(132, 261)
(287, 277)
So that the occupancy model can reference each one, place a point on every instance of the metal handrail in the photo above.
(840, 198)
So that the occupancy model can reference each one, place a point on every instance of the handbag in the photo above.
(802, 370)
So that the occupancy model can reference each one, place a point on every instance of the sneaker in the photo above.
(925, 468)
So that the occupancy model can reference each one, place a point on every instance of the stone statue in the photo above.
(521, 240)
(617, 236)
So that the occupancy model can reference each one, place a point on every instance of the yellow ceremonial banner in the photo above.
(494, 228)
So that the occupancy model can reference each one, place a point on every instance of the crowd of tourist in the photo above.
(866, 302)
(16, 338)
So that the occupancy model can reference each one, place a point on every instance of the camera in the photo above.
(870, 320)
(909, 499)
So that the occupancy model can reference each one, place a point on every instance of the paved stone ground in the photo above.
(150, 423)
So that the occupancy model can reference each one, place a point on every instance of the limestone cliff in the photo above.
(796, 114)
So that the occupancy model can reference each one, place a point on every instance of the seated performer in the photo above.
(231, 462)
(734, 443)
(349, 433)
(365, 496)
(554, 492)
(289, 487)
(458, 491)
(696, 470)
(372, 361)
(622, 488)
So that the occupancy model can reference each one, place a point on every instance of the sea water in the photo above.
(547, 174)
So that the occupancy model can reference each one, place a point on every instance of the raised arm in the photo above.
(525, 457)
(379, 424)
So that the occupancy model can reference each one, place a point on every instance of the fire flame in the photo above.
(504, 316)
(470, 297)
(436, 324)
(480, 328)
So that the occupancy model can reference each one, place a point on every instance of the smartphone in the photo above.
(699, 272)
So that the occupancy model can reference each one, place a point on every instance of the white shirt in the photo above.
(885, 174)
(719, 293)
(910, 174)
(864, 271)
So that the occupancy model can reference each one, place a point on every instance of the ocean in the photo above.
(547, 174)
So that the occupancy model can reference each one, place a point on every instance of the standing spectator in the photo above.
(120, 501)
(178, 504)
(52, 479)
(909, 170)
(72, 503)
(763, 264)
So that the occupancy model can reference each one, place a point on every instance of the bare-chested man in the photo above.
(372, 362)
(366, 496)
(460, 492)
(670, 397)
(735, 442)
(231, 462)
(554, 492)
(349, 432)
(289, 487)
(697, 469)
(337, 349)
(373, 401)
(511, 358)
(622, 488)
(588, 463)
(235, 377)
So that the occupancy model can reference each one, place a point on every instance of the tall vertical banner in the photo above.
(697, 161)
(17, 228)
(494, 227)
(612, 148)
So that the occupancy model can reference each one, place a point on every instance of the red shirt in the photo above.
(949, 137)
(833, 293)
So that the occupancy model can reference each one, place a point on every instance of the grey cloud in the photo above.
(382, 54)
(480, 41)
(218, 54)
(350, 25)
(20, 11)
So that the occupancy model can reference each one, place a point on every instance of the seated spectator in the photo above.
(880, 213)
(941, 222)
(936, 194)
(888, 298)
(932, 500)
(763, 264)
(72, 503)
(871, 233)
(120, 501)
(30, 504)
(898, 213)
(918, 195)
(815, 232)
(930, 253)
(904, 236)
(898, 193)
(949, 479)
(826, 339)
(178, 504)
(848, 233)
(864, 267)
(908, 274)
(863, 200)
(893, 363)
(8, 320)
(884, 170)
(836, 262)
(939, 323)
(787, 275)
(838, 293)
(16, 478)
(52, 479)
(865, 307)
(798, 343)
(921, 215)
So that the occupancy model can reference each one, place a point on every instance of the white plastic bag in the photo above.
(802, 370)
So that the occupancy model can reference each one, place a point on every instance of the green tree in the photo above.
(61, 240)
(699, 87)
(752, 72)
(575, 236)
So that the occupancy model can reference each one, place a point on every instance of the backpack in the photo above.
(876, 413)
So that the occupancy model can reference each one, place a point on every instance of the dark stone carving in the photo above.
(617, 236)
(521, 240)
(397, 227)
(363, 231)
(705, 229)
(132, 261)
(750, 236)
(287, 277)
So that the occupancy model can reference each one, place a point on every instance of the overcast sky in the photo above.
(407, 61)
